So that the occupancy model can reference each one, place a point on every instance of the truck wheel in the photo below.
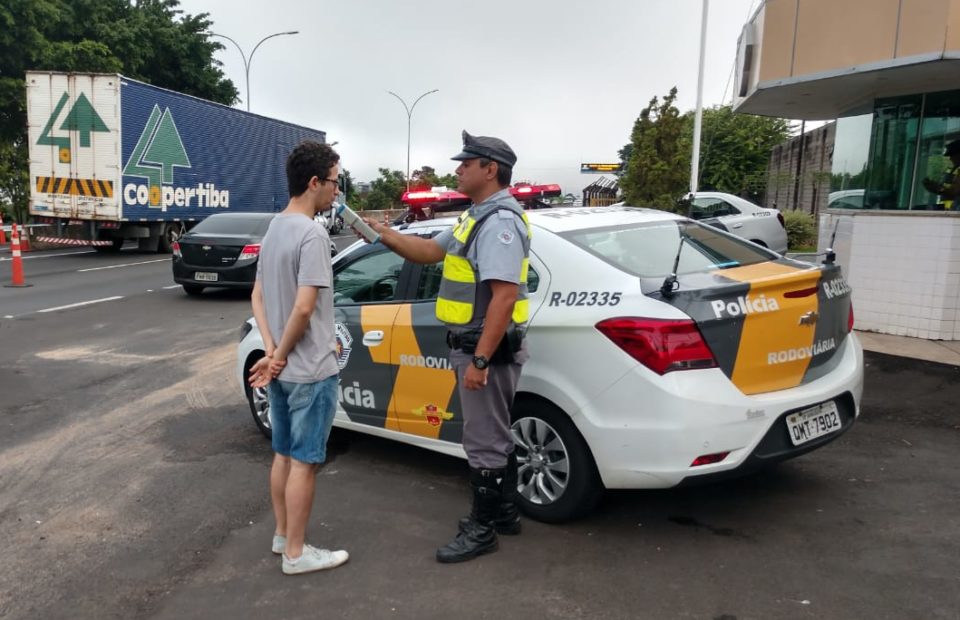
(558, 480)
(192, 289)
(170, 234)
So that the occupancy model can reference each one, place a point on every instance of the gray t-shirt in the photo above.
(296, 252)
(497, 251)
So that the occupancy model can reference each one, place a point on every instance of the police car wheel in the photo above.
(258, 401)
(557, 478)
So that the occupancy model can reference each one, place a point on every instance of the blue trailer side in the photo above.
(185, 158)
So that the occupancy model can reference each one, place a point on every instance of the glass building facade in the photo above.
(881, 159)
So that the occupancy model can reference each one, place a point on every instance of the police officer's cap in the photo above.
(953, 148)
(486, 147)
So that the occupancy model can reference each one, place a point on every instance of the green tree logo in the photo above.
(82, 118)
(158, 151)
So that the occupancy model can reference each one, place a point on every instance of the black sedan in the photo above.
(220, 251)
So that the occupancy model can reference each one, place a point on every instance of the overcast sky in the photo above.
(561, 81)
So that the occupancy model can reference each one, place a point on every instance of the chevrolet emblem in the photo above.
(809, 318)
(206, 248)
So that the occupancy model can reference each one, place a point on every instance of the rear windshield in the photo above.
(649, 250)
(234, 225)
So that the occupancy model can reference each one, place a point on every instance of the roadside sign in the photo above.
(601, 168)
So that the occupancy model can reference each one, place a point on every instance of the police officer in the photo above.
(949, 188)
(483, 301)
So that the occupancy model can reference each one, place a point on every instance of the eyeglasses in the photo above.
(334, 181)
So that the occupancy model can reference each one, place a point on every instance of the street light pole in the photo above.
(247, 61)
(409, 115)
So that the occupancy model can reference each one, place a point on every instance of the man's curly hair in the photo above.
(309, 159)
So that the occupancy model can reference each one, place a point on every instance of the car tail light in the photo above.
(175, 248)
(249, 251)
(662, 346)
(781, 220)
(709, 459)
(850, 319)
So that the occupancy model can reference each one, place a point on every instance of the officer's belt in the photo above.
(467, 341)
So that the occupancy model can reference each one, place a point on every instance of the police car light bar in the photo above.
(525, 192)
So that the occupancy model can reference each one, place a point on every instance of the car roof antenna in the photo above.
(670, 282)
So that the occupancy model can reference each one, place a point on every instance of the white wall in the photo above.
(904, 269)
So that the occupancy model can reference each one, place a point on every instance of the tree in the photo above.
(656, 169)
(149, 40)
(386, 191)
(624, 155)
(426, 177)
(735, 150)
(449, 180)
(734, 153)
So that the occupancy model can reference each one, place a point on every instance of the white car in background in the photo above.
(846, 199)
(663, 352)
(743, 218)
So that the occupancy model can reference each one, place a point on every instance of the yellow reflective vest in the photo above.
(459, 285)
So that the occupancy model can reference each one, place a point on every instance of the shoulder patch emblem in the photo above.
(344, 343)
(506, 237)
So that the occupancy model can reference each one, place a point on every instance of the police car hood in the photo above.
(772, 325)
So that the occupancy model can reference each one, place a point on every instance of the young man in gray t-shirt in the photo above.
(293, 306)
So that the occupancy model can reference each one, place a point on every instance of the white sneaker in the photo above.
(313, 559)
(279, 544)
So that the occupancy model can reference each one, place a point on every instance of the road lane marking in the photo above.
(33, 256)
(167, 288)
(146, 262)
(82, 303)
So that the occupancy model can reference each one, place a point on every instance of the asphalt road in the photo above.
(133, 485)
(71, 277)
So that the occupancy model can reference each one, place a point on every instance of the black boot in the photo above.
(507, 521)
(477, 534)
(508, 516)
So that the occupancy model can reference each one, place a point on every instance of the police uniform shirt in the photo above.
(497, 250)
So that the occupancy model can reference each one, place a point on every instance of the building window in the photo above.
(851, 151)
(891, 164)
(893, 151)
(940, 127)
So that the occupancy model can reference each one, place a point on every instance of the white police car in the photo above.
(763, 226)
(662, 351)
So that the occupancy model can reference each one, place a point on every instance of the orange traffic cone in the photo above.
(17, 261)
(3, 235)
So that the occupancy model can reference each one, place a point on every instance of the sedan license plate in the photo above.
(205, 276)
(814, 422)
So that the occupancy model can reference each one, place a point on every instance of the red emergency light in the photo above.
(450, 197)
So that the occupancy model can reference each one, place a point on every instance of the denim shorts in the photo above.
(301, 415)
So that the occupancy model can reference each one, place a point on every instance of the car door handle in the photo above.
(737, 226)
(373, 338)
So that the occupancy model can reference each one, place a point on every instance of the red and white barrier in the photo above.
(65, 241)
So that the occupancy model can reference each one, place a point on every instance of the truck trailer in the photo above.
(113, 159)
